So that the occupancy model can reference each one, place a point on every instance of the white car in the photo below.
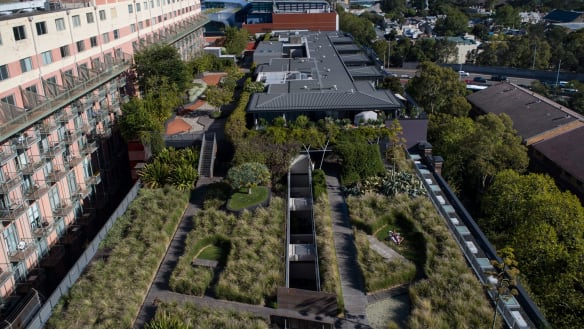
(463, 74)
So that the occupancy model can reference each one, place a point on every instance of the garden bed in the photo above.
(110, 292)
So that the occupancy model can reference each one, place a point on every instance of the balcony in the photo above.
(35, 192)
(93, 180)
(72, 136)
(9, 183)
(23, 250)
(55, 176)
(19, 119)
(26, 140)
(46, 128)
(43, 230)
(101, 115)
(7, 153)
(14, 211)
(89, 148)
(55, 149)
(35, 164)
(63, 209)
(64, 116)
(71, 162)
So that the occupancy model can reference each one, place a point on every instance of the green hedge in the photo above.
(111, 291)
(354, 168)
(235, 126)
(319, 184)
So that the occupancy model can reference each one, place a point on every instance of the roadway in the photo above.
(402, 73)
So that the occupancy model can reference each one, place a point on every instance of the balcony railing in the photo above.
(35, 163)
(7, 153)
(56, 149)
(55, 176)
(43, 230)
(101, 115)
(26, 140)
(22, 252)
(89, 148)
(65, 117)
(72, 136)
(19, 119)
(71, 161)
(46, 128)
(10, 183)
(63, 209)
(14, 211)
(35, 192)
(95, 179)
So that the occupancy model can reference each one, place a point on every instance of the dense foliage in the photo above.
(173, 167)
(353, 167)
(161, 60)
(111, 291)
(235, 40)
(389, 184)
(254, 266)
(249, 174)
(206, 62)
(361, 28)
(191, 316)
(545, 227)
(439, 90)
(446, 294)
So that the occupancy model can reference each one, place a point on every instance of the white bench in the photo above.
(441, 199)
(454, 220)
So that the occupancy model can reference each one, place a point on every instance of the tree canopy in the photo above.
(453, 24)
(249, 174)
(161, 60)
(439, 90)
(235, 40)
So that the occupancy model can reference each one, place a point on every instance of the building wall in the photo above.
(58, 140)
(314, 22)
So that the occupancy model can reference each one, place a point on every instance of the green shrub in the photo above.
(110, 292)
(318, 184)
(216, 195)
(191, 316)
(353, 166)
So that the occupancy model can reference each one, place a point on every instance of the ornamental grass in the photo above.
(111, 290)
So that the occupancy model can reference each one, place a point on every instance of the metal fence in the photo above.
(40, 319)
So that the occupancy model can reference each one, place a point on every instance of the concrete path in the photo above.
(351, 278)
(384, 250)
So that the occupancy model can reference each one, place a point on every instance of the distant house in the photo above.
(552, 132)
(464, 45)
(564, 16)
(317, 74)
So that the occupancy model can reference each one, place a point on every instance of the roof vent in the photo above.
(304, 87)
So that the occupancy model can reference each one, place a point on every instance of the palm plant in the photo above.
(183, 177)
(155, 174)
(166, 321)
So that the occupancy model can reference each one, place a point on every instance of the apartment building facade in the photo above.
(63, 78)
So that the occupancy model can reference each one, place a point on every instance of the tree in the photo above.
(360, 28)
(455, 23)
(161, 60)
(436, 88)
(507, 16)
(171, 166)
(393, 84)
(249, 175)
(217, 96)
(235, 40)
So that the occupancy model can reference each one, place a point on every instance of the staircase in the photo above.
(207, 157)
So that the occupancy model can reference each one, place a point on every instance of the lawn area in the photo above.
(242, 199)
(211, 252)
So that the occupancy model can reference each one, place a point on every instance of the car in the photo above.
(463, 74)
(480, 80)
(405, 76)
(499, 78)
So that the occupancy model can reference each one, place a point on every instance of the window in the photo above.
(89, 17)
(138, 8)
(153, 20)
(26, 64)
(19, 33)
(76, 20)
(157, 3)
(41, 28)
(93, 41)
(34, 215)
(132, 27)
(60, 24)
(65, 52)
(140, 25)
(4, 72)
(80, 46)
(11, 238)
(116, 34)
(145, 5)
(32, 89)
(130, 8)
(105, 37)
(54, 199)
(151, 3)
(102, 15)
(47, 57)
(8, 100)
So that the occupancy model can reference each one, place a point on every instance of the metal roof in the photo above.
(566, 151)
(320, 81)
